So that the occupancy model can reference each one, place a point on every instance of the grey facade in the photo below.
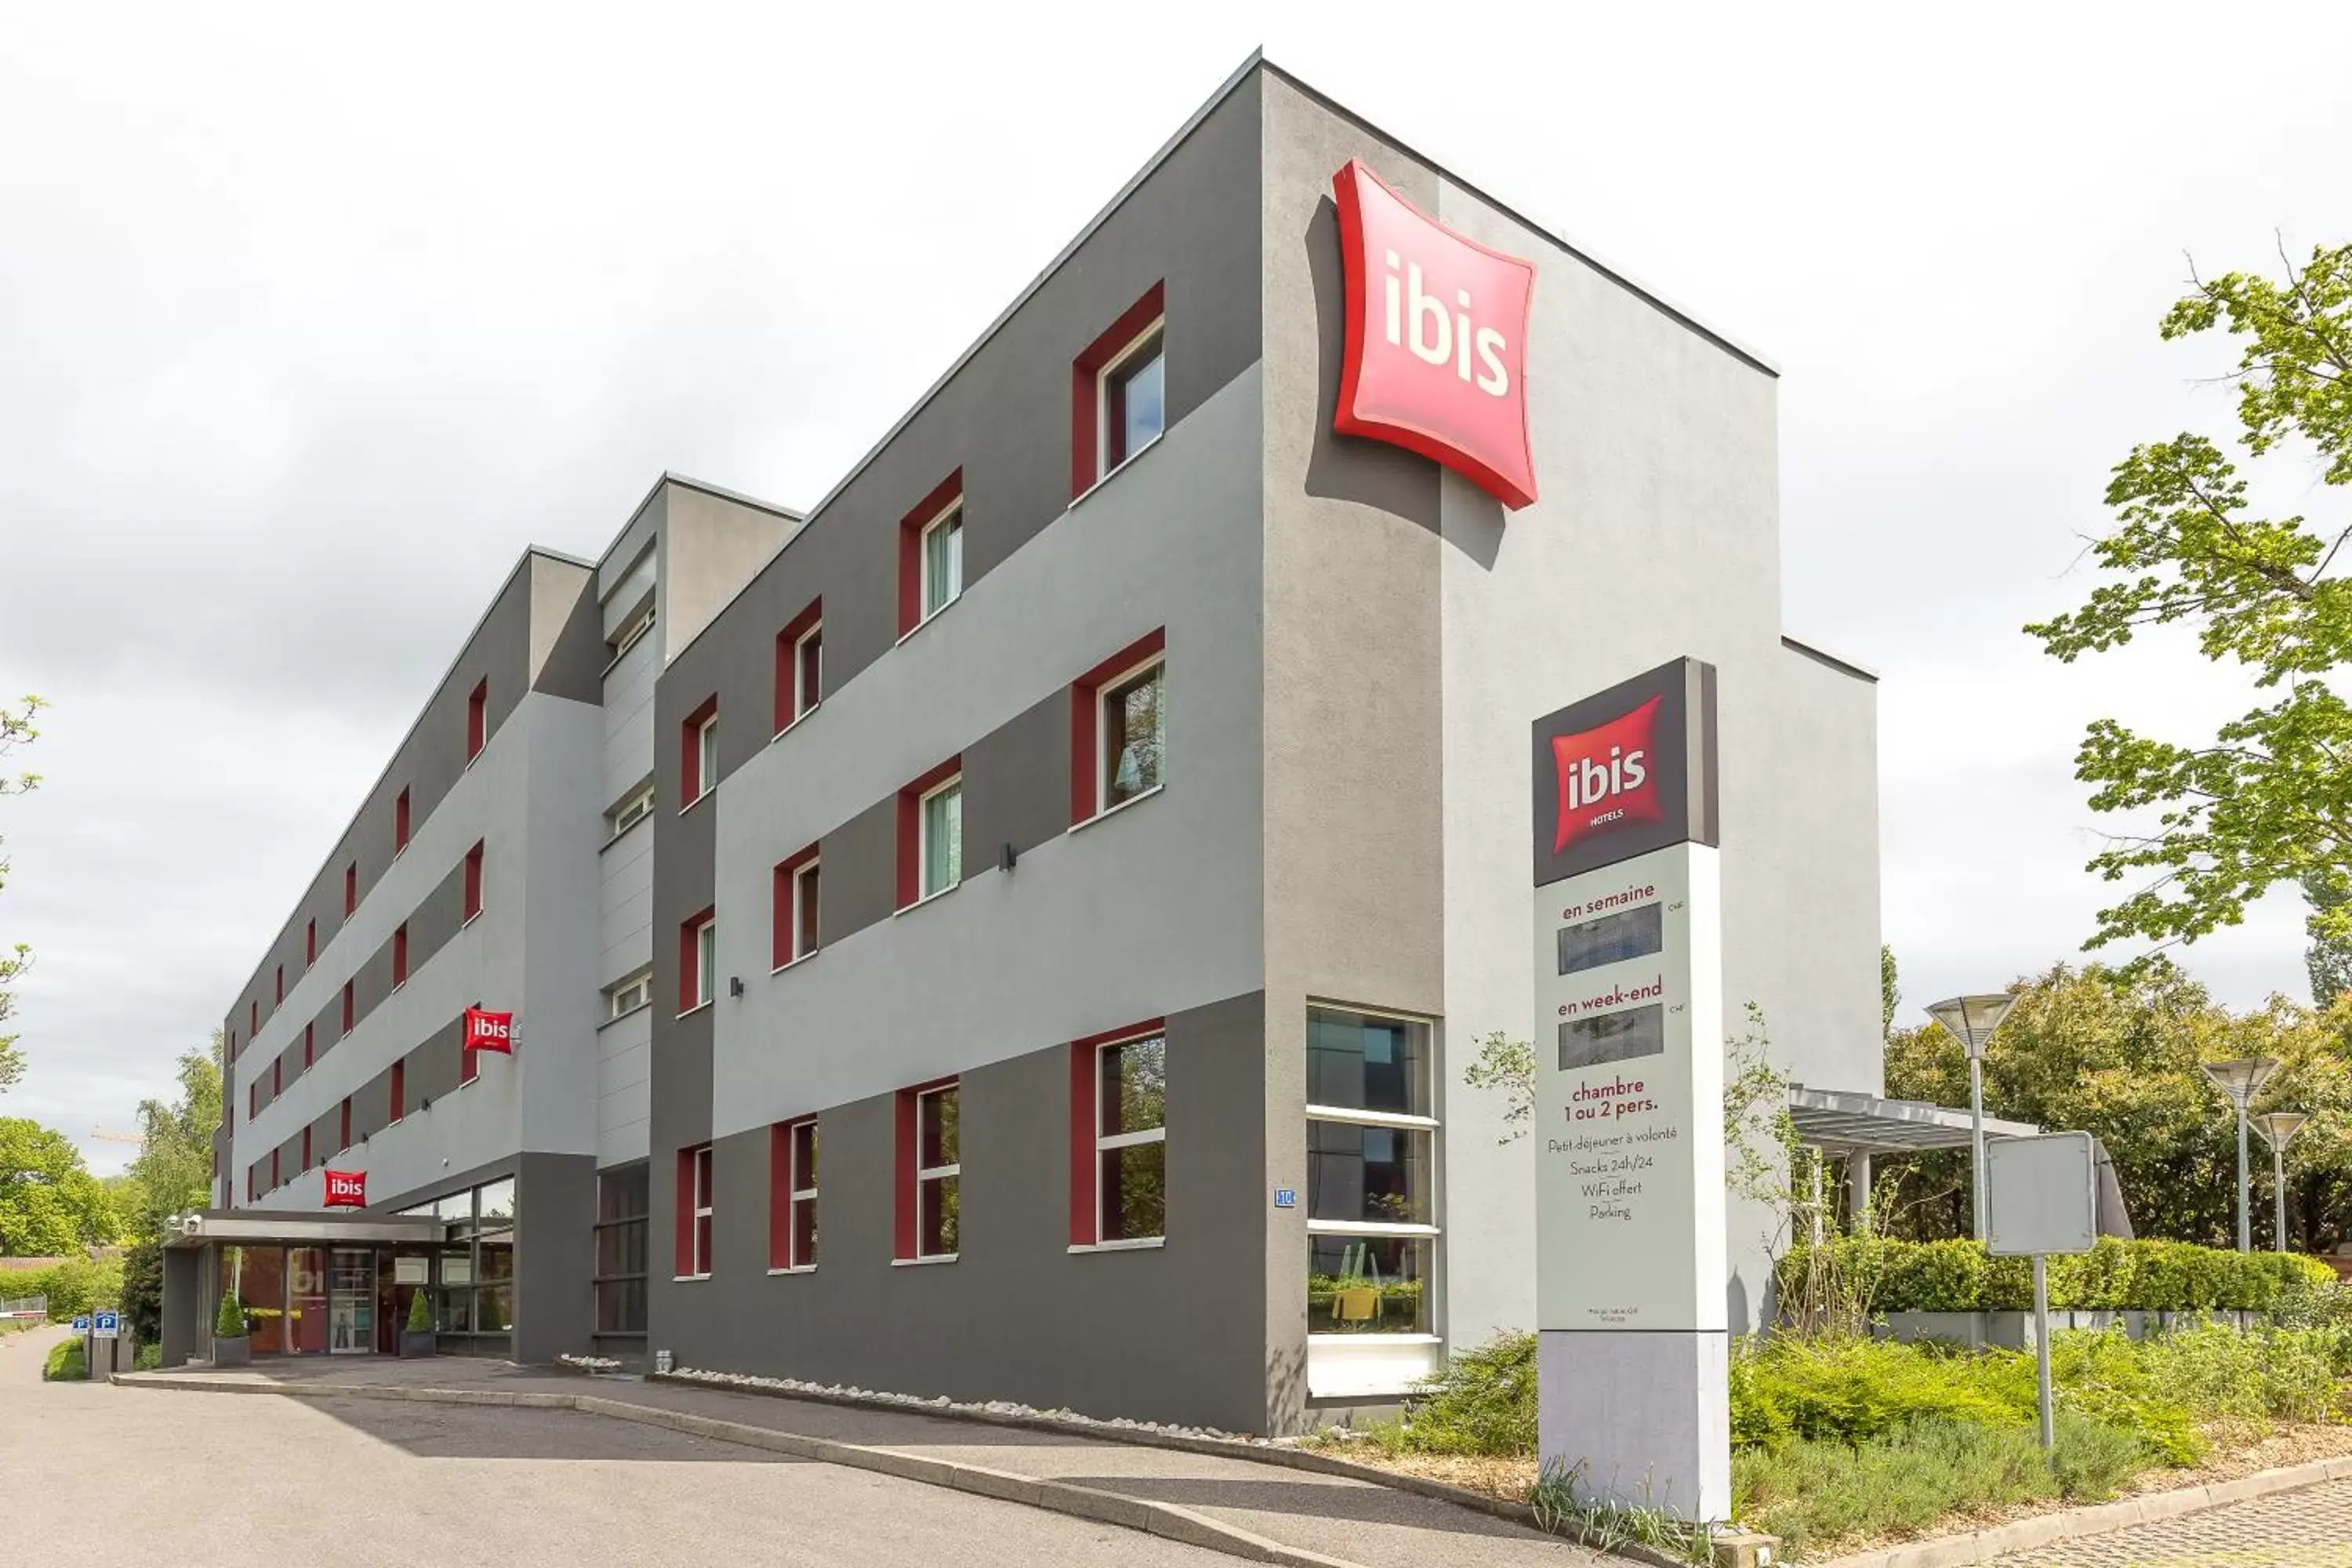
(1354, 643)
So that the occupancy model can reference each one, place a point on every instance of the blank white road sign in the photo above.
(2041, 1195)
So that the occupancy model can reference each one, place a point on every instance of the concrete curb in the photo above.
(1180, 1524)
(1983, 1546)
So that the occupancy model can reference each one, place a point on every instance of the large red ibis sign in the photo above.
(1436, 346)
(346, 1189)
(488, 1031)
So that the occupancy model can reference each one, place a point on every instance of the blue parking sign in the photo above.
(108, 1325)
(81, 1324)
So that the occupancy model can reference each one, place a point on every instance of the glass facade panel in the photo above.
(943, 564)
(941, 1217)
(943, 839)
(1368, 1285)
(1134, 725)
(1358, 1062)
(1368, 1175)
(1135, 1192)
(938, 1121)
(306, 1300)
(257, 1276)
(1134, 1081)
(1139, 402)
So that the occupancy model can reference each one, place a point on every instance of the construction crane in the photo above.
(105, 1135)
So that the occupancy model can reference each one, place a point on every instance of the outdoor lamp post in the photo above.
(1971, 1021)
(2241, 1079)
(2280, 1127)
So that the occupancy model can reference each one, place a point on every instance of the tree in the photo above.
(2328, 960)
(174, 1173)
(2270, 798)
(1890, 992)
(15, 729)
(49, 1204)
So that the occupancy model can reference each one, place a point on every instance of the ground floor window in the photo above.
(473, 1273)
(623, 1205)
(1372, 1213)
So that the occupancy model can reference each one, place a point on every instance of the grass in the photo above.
(65, 1363)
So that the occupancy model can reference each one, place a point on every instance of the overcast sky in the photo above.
(311, 320)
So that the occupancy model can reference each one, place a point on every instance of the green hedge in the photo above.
(73, 1287)
(2114, 1276)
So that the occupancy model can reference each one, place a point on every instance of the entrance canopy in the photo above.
(259, 1227)
(1838, 1121)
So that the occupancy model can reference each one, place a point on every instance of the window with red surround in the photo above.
(310, 945)
(349, 1017)
(1119, 1137)
(929, 1207)
(698, 755)
(469, 1065)
(694, 1208)
(792, 1194)
(793, 918)
(281, 998)
(400, 823)
(276, 1180)
(474, 881)
(253, 1018)
(930, 833)
(306, 1148)
(799, 661)
(698, 960)
(399, 957)
(309, 1051)
(343, 1136)
(277, 1078)
(930, 554)
(1119, 374)
(399, 1089)
(478, 719)
(351, 889)
(1116, 729)
(253, 1099)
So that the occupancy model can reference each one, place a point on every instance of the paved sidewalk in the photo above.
(1357, 1521)
(2307, 1529)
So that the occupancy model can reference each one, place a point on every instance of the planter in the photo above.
(415, 1346)
(238, 1352)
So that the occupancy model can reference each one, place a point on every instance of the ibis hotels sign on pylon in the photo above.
(1632, 1345)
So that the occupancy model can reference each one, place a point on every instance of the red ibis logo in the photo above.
(488, 1031)
(1437, 348)
(347, 1189)
(1606, 778)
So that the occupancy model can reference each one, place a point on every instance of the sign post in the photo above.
(2041, 1197)
(1633, 1346)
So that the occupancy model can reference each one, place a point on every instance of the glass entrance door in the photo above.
(351, 1302)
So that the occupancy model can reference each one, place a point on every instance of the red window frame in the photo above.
(400, 822)
(948, 492)
(691, 786)
(783, 915)
(280, 1000)
(1086, 381)
(350, 1015)
(309, 1052)
(276, 1179)
(253, 1099)
(399, 1089)
(694, 1211)
(793, 698)
(276, 1078)
(345, 1128)
(1086, 1101)
(306, 1148)
(351, 889)
(399, 956)
(906, 1242)
(1086, 720)
(469, 1067)
(689, 962)
(252, 1017)
(310, 945)
(474, 881)
(791, 1205)
(910, 828)
(478, 719)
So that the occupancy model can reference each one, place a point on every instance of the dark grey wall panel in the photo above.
(1017, 784)
(555, 1254)
(861, 871)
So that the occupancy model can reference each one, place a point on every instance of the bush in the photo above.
(1849, 1390)
(1905, 1482)
(420, 1314)
(148, 1358)
(73, 1287)
(2113, 1276)
(228, 1323)
(65, 1364)
(2294, 1375)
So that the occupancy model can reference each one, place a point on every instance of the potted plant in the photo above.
(419, 1337)
(231, 1344)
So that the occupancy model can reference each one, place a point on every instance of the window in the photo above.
(795, 907)
(310, 945)
(698, 962)
(474, 881)
(477, 719)
(474, 1269)
(792, 1202)
(309, 1053)
(469, 1065)
(1117, 393)
(343, 1125)
(277, 1178)
(400, 823)
(399, 957)
(632, 811)
(277, 1078)
(399, 1106)
(931, 834)
(280, 1000)
(1119, 1115)
(930, 554)
(624, 1203)
(930, 1174)
(629, 996)
(694, 1213)
(306, 1148)
(1119, 715)
(252, 1017)
(351, 889)
(1372, 1217)
(349, 1020)
(800, 666)
(253, 1099)
(639, 625)
(699, 754)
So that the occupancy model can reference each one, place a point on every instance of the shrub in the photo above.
(2218, 1373)
(150, 1358)
(1849, 1390)
(1483, 1402)
(2113, 1276)
(420, 1314)
(73, 1287)
(228, 1323)
(65, 1364)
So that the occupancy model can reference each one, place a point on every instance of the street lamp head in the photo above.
(1972, 1019)
(2242, 1079)
(2281, 1126)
